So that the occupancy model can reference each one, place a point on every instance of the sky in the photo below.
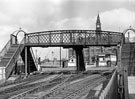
(42, 15)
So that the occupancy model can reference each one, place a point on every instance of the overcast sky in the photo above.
(39, 15)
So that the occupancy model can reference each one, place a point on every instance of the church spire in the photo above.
(98, 23)
(98, 19)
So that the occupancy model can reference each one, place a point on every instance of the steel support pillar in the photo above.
(79, 58)
(26, 65)
(16, 69)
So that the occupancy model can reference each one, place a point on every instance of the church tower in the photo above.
(98, 24)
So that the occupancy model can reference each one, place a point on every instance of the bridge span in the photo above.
(76, 39)
(71, 38)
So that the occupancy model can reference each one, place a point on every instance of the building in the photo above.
(91, 52)
(98, 24)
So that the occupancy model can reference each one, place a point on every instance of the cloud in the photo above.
(4, 35)
(73, 23)
(106, 0)
(38, 15)
(111, 20)
(117, 18)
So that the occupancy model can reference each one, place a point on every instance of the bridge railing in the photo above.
(73, 37)
(7, 46)
(5, 49)
(111, 90)
(14, 58)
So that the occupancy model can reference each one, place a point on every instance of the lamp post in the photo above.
(52, 57)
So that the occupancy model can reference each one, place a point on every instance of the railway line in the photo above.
(23, 81)
(73, 87)
(73, 90)
(61, 85)
(45, 85)
(24, 85)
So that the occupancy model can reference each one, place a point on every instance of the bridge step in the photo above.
(8, 54)
(3, 63)
(7, 57)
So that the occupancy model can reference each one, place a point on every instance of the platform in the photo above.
(131, 87)
(44, 68)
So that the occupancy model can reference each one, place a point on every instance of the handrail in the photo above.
(13, 58)
(65, 31)
(104, 93)
(32, 53)
(13, 39)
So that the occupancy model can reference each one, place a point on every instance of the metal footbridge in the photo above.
(76, 39)
(69, 38)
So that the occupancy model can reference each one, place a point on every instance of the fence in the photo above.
(111, 90)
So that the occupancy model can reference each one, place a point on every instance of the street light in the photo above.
(52, 57)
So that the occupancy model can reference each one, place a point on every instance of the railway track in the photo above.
(28, 79)
(68, 89)
(71, 90)
(46, 85)
(59, 87)
(23, 81)
(18, 88)
(82, 87)
(52, 84)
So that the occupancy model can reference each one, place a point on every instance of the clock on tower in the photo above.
(98, 26)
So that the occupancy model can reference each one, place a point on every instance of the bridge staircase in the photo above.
(9, 57)
(128, 58)
(128, 68)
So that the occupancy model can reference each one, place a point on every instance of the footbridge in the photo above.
(76, 39)
(70, 38)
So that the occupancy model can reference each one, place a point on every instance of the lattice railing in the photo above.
(73, 37)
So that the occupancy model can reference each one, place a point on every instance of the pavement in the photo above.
(131, 87)
(89, 67)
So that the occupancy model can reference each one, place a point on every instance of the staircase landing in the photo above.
(131, 87)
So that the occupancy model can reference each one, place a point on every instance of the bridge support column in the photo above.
(26, 65)
(16, 69)
(79, 58)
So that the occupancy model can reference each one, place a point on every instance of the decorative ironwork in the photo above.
(127, 39)
(73, 37)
